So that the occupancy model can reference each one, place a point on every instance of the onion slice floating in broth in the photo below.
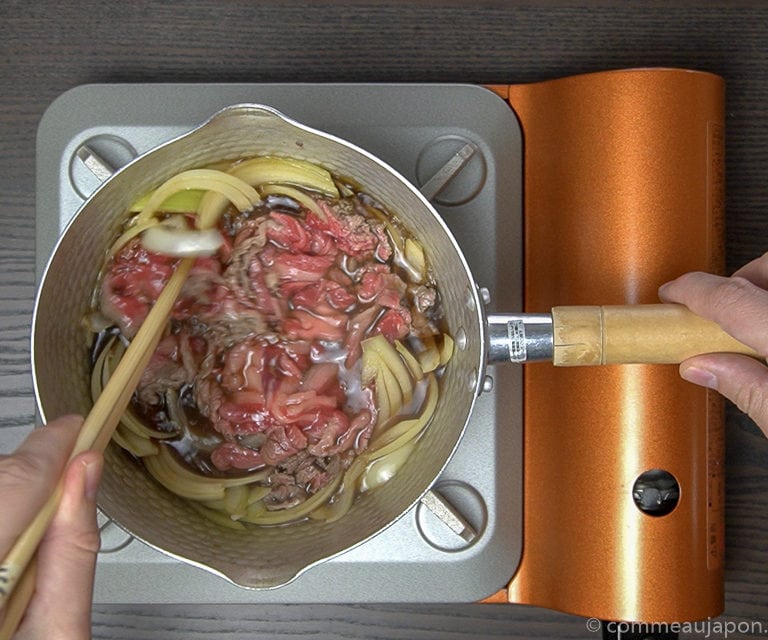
(181, 243)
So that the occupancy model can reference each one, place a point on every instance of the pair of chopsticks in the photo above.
(17, 568)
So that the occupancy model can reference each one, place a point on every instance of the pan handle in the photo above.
(591, 335)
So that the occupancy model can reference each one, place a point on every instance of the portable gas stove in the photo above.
(596, 492)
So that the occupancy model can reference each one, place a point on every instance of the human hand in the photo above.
(60, 606)
(739, 304)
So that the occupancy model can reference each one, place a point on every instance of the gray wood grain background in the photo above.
(47, 47)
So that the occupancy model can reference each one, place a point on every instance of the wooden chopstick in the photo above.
(18, 601)
(95, 433)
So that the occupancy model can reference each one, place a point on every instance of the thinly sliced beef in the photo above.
(283, 442)
(267, 336)
(354, 234)
(133, 283)
(174, 363)
(231, 455)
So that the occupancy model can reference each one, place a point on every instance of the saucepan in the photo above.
(268, 557)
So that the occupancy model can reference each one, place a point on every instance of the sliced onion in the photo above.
(236, 501)
(181, 243)
(138, 446)
(217, 516)
(406, 430)
(391, 359)
(242, 195)
(136, 228)
(414, 255)
(342, 501)
(382, 469)
(268, 169)
(410, 360)
(176, 476)
(301, 510)
(185, 201)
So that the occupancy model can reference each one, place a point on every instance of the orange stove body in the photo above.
(624, 184)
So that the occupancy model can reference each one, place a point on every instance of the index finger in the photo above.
(737, 304)
(29, 475)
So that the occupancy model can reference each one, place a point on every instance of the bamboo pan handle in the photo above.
(642, 334)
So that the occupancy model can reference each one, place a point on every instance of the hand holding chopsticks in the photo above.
(67, 554)
(96, 430)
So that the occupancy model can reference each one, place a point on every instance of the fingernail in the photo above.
(699, 376)
(93, 477)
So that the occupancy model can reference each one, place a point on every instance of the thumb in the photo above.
(741, 379)
(67, 558)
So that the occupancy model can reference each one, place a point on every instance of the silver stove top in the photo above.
(462, 146)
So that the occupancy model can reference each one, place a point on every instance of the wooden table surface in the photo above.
(48, 47)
